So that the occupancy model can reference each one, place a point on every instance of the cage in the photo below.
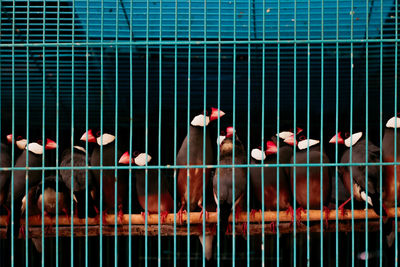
(82, 82)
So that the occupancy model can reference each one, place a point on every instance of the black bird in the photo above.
(79, 189)
(225, 200)
(314, 176)
(195, 141)
(109, 178)
(35, 153)
(358, 144)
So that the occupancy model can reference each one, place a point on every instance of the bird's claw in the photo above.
(66, 213)
(326, 212)
(163, 216)
(180, 213)
(144, 214)
(22, 231)
(272, 226)
(244, 228)
(290, 212)
(386, 210)
(228, 229)
(253, 214)
(206, 212)
(298, 215)
(120, 213)
(238, 210)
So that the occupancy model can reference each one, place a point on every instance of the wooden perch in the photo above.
(195, 218)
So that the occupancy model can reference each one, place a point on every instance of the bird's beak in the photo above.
(337, 139)
(125, 158)
(271, 148)
(299, 130)
(9, 138)
(89, 137)
(50, 144)
(216, 114)
(229, 131)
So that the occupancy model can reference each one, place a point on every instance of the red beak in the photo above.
(229, 131)
(125, 158)
(9, 138)
(50, 144)
(337, 138)
(90, 137)
(214, 114)
(299, 130)
(290, 141)
(271, 148)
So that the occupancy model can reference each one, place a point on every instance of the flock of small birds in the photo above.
(353, 149)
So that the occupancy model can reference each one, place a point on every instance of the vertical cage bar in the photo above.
(13, 134)
(146, 210)
(234, 137)
(58, 119)
(322, 136)
(159, 137)
(396, 255)
(86, 131)
(248, 129)
(43, 121)
(175, 115)
(101, 129)
(294, 131)
(336, 130)
(130, 131)
(366, 131)
(308, 135)
(204, 132)
(218, 131)
(380, 130)
(278, 121)
(27, 133)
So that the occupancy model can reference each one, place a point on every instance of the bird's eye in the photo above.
(98, 134)
(301, 138)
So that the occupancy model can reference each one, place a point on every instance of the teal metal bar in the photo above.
(204, 132)
(262, 138)
(87, 138)
(27, 133)
(13, 136)
(209, 42)
(380, 132)
(146, 137)
(351, 133)
(396, 256)
(43, 123)
(175, 116)
(234, 139)
(58, 123)
(218, 131)
(278, 110)
(336, 130)
(116, 135)
(159, 136)
(248, 128)
(131, 94)
(295, 133)
(322, 138)
(308, 136)
(366, 132)
(101, 131)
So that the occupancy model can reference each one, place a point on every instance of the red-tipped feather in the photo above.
(337, 138)
(271, 148)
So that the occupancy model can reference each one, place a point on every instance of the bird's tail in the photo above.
(208, 245)
(225, 211)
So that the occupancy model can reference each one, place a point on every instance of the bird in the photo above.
(224, 198)
(166, 200)
(195, 142)
(358, 144)
(107, 141)
(269, 156)
(314, 177)
(35, 153)
(80, 176)
(49, 196)
(5, 176)
(388, 154)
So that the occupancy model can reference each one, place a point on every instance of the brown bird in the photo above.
(195, 141)
(166, 200)
(314, 176)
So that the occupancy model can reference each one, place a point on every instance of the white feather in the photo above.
(393, 123)
(35, 148)
(80, 148)
(364, 196)
(307, 142)
(220, 139)
(284, 135)
(257, 154)
(199, 120)
(352, 140)
(107, 138)
(21, 144)
(140, 160)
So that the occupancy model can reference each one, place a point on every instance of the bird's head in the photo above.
(211, 115)
(139, 159)
(393, 122)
